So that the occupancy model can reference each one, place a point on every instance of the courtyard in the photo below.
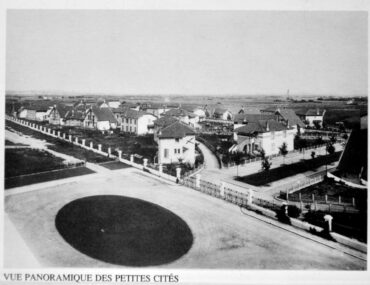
(218, 234)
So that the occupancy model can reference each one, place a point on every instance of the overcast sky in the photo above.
(187, 52)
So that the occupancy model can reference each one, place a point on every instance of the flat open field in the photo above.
(223, 235)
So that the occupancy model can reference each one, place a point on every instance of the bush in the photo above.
(294, 211)
(282, 217)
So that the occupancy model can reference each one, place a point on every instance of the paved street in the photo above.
(224, 236)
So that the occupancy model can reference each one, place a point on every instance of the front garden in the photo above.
(265, 177)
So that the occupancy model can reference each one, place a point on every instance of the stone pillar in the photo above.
(58, 133)
(99, 147)
(178, 172)
(326, 199)
(76, 140)
(64, 136)
(197, 180)
(70, 138)
(53, 132)
(222, 189)
(119, 153)
(145, 164)
(250, 198)
(83, 142)
(160, 168)
(91, 145)
(49, 131)
(339, 199)
(285, 205)
(328, 219)
(131, 158)
(109, 150)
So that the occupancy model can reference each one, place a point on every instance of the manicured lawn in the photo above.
(264, 178)
(124, 231)
(46, 176)
(22, 161)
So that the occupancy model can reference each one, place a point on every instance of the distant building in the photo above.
(74, 117)
(268, 135)
(57, 114)
(100, 117)
(114, 104)
(176, 143)
(222, 113)
(288, 117)
(35, 112)
(183, 116)
(243, 119)
(132, 121)
(312, 117)
(157, 109)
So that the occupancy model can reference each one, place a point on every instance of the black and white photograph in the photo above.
(159, 139)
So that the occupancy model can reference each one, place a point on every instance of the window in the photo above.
(130, 129)
(166, 153)
(126, 128)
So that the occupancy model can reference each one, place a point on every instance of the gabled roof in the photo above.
(74, 114)
(165, 121)
(176, 130)
(62, 109)
(129, 113)
(290, 116)
(248, 118)
(40, 106)
(261, 126)
(220, 110)
(315, 112)
(178, 113)
(103, 114)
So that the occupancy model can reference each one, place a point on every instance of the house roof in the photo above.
(261, 126)
(290, 116)
(104, 114)
(249, 110)
(62, 109)
(40, 106)
(129, 113)
(165, 121)
(315, 112)
(246, 118)
(176, 130)
(178, 113)
(220, 110)
(74, 114)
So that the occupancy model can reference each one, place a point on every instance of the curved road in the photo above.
(210, 160)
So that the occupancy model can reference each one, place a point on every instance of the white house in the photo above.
(176, 144)
(183, 116)
(268, 135)
(100, 118)
(222, 113)
(288, 117)
(132, 121)
(313, 116)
